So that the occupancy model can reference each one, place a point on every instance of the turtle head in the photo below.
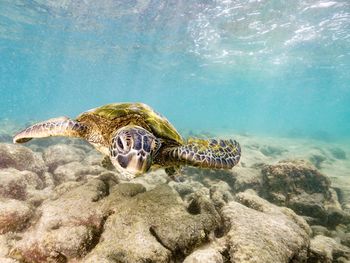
(132, 149)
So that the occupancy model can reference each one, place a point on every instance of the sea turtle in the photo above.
(134, 137)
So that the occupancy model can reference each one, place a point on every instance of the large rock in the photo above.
(76, 171)
(301, 187)
(188, 188)
(60, 154)
(220, 194)
(21, 185)
(152, 226)
(261, 232)
(206, 254)
(67, 227)
(14, 215)
(93, 158)
(21, 158)
(4, 247)
(208, 177)
(326, 250)
(292, 177)
(140, 226)
(152, 179)
(246, 178)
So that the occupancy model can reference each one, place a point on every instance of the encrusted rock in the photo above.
(21, 158)
(207, 255)
(209, 177)
(220, 194)
(320, 230)
(185, 189)
(153, 226)
(298, 185)
(345, 239)
(93, 158)
(67, 228)
(291, 177)
(14, 215)
(8, 260)
(60, 154)
(327, 250)
(5, 241)
(21, 185)
(151, 179)
(76, 171)
(261, 232)
(246, 178)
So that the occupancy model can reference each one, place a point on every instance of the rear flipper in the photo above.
(61, 126)
(214, 154)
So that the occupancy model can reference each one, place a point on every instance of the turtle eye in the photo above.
(120, 144)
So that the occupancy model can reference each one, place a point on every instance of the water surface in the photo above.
(269, 67)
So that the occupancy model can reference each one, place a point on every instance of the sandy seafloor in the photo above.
(59, 205)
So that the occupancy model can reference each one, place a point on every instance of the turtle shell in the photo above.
(157, 124)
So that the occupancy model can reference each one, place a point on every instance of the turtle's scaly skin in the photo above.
(61, 126)
(218, 154)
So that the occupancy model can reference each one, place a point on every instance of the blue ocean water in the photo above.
(247, 66)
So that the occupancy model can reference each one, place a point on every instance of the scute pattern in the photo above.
(217, 154)
(158, 124)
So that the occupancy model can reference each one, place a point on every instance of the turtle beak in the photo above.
(139, 163)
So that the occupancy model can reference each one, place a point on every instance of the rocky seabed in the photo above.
(58, 204)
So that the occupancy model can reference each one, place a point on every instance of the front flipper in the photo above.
(61, 126)
(215, 154)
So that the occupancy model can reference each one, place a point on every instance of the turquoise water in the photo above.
(269, 67)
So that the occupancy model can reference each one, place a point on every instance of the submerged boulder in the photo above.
(293, 177)
(67, 227)
(21, 185)
(76, 171)
(14, 215)
(208, 254)
(21, 158)
(246, 178)
(208, 177)
(327, 250)
(256, 231)
(5, 241)
(301, 187)
(152, 226)
(96, 222)
(60, 154)
(259, 231)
